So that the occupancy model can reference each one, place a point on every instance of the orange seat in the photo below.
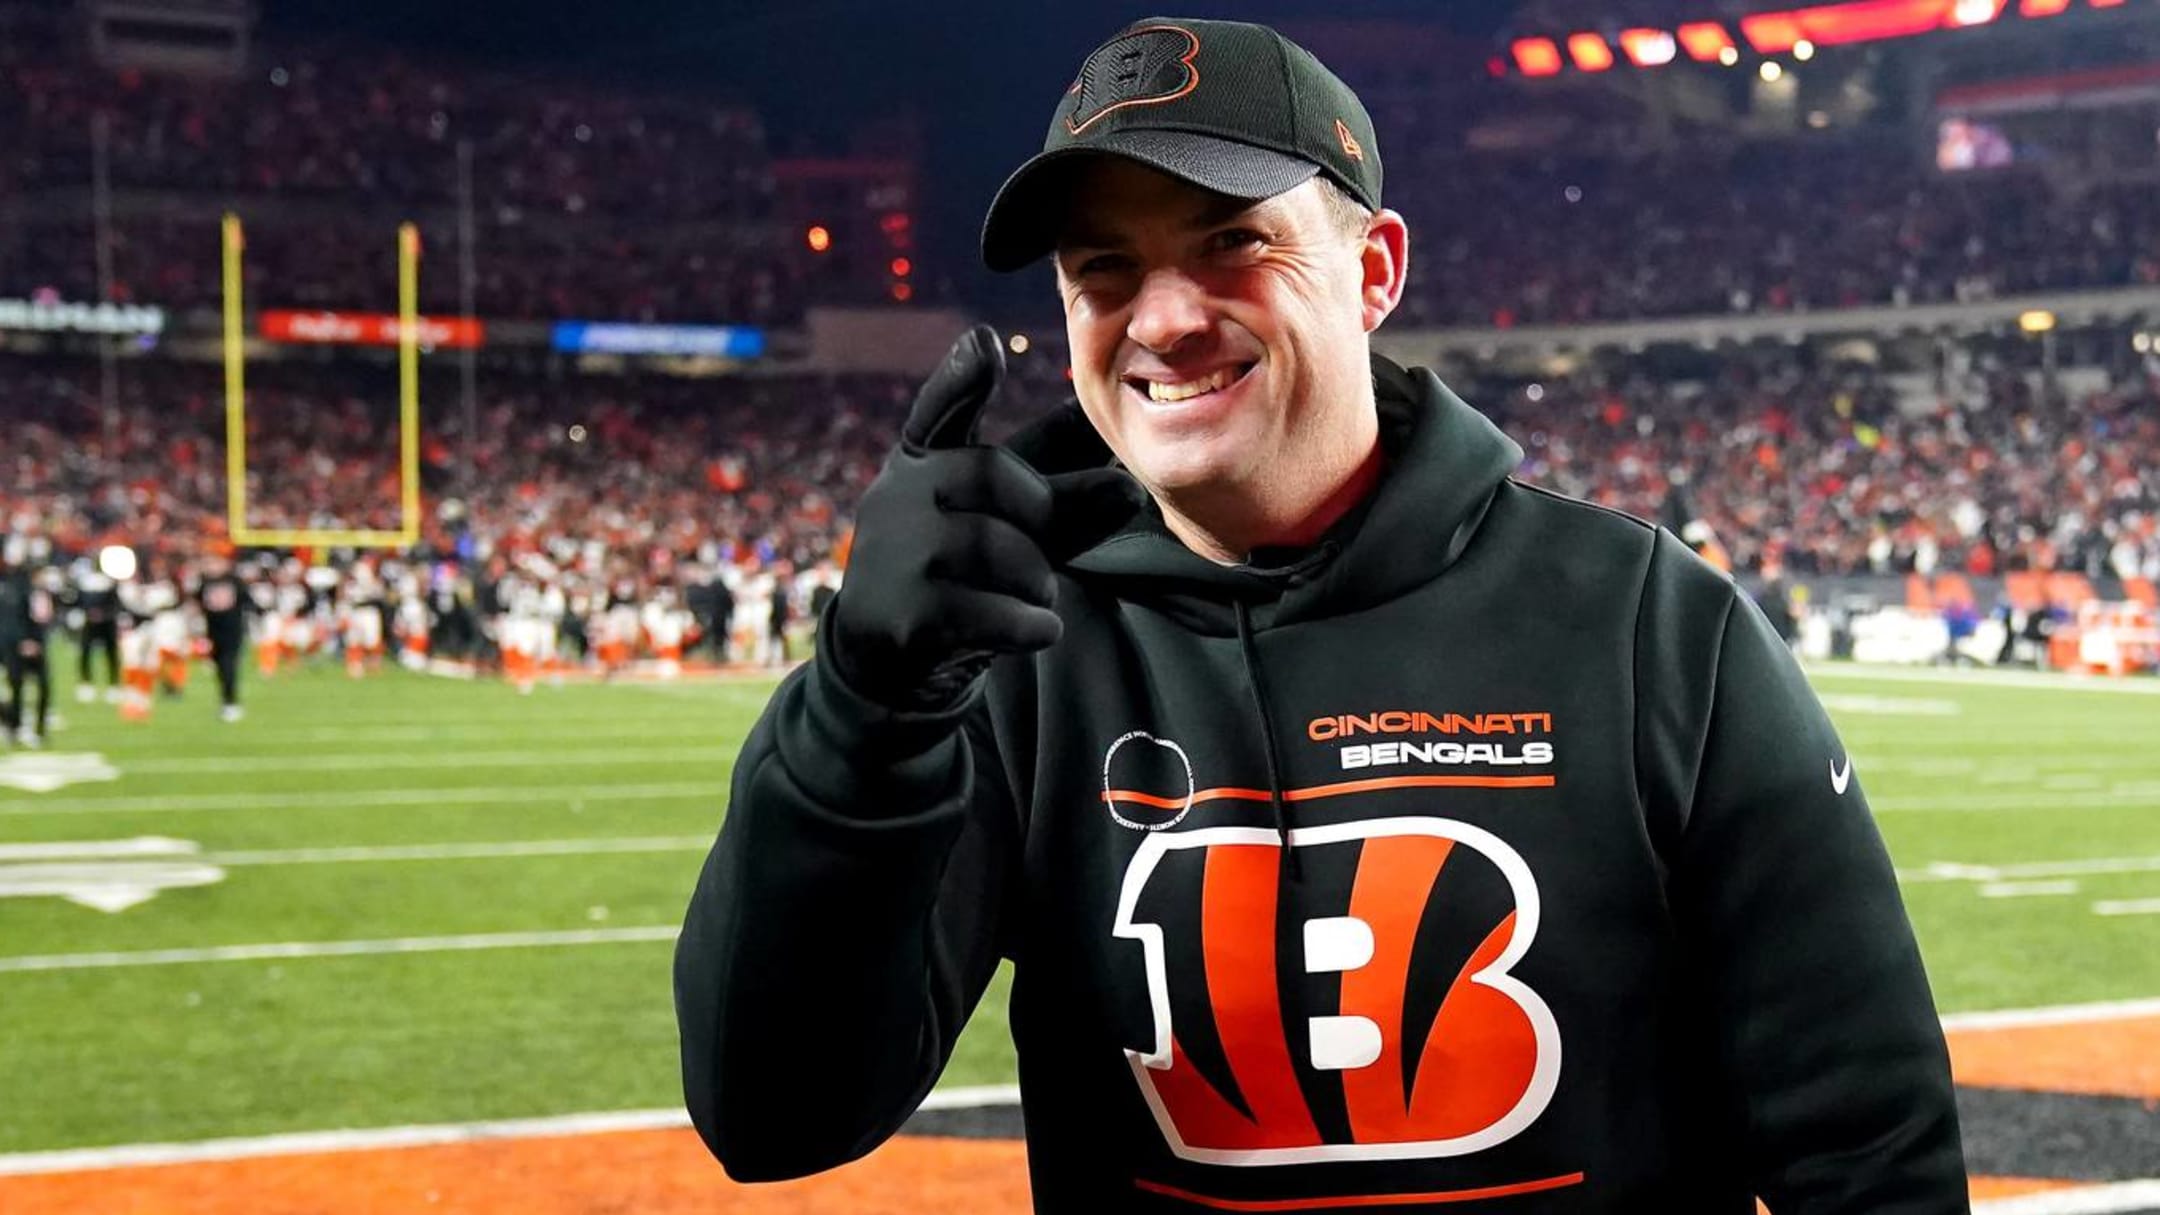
(1953, 588)
(1917, 597)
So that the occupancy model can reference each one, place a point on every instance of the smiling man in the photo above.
(1364, 827)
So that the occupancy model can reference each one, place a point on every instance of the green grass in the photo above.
(1959, 772)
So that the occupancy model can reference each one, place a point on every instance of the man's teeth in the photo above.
(1191, 388)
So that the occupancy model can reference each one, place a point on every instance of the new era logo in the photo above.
(1350, 146)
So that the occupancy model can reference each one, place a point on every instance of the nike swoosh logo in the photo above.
(1838, 780)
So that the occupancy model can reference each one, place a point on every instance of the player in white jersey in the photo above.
(619, 626)
(362, 611)
(666, 623)
(138, 650)
(527, 630)
(169, 632)
(412, 620)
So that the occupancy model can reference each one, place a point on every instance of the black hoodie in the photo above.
(1493, 854)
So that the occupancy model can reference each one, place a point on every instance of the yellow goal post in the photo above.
(408, 530)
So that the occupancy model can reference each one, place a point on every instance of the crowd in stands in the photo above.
(1828, 471)
(588, 202)
(1804, 471)
(603, 203)
(1777, 227)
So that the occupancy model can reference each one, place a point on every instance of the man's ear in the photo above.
(1384, 258)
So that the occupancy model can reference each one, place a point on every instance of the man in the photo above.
(1365, 828)
(97, 597)
(27, 609)
(224, 601)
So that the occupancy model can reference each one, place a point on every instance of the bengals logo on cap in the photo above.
(1146, 66)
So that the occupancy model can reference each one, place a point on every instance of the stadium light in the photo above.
(902, 267)
(1018, 343)
(1803, 50)
(2107, 3)
(1976, 12)
(1649, 48)
(1590, 52)
(820, 239)
(117, 562)
(1707, 40)
(1772, 71)
(1730, 56)
(2039, 320)
(2041, 8)
(2142, 343)
(1537, 56)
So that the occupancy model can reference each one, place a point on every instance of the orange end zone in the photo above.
(2096, 1058)
(649, 1172)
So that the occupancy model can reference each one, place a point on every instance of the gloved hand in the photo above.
(955, 544)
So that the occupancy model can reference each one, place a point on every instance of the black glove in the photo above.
(955, 543)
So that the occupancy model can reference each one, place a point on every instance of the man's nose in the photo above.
(1169, 308)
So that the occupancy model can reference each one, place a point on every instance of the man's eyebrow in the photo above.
(1214, 212)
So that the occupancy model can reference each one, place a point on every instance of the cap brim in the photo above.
(1029, 209)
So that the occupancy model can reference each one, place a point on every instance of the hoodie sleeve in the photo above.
(844, 926)
(1826, 1041)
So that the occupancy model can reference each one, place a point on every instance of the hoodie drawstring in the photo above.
(1251, 655)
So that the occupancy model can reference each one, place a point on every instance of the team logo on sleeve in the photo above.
(1394, 1029)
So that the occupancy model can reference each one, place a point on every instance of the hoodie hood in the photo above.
(1444, 460)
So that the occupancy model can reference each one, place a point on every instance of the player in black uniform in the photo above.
(97, 597)
(225, 602)
(27, 609)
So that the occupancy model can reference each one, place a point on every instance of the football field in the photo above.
(410, 902)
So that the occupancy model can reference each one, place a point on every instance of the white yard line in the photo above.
(392, 760)
(460, 852)
(538, 795)
(2116, 907)
(505, 732)
(1954, 871)
(1987, 679)
(337, 949)
(2132, 796)
(2116, 1199)
(392, 1137)
(2027, 890)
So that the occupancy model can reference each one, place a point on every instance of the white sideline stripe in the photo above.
(2091, 1200)
(2127, 907)
(2060, 1014)
(338, 949)
(1995, 679)
(304, 800)
(1952, 871)
(459, 852)
(390, 1137)
(381, 760)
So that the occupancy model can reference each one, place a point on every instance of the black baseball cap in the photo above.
(1226, 105)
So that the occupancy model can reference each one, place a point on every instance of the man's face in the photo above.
(1217, 344)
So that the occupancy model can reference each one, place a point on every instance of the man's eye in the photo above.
(1231, 240)
(1106, 264)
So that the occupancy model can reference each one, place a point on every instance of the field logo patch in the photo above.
(107, 875)
(43, 772)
